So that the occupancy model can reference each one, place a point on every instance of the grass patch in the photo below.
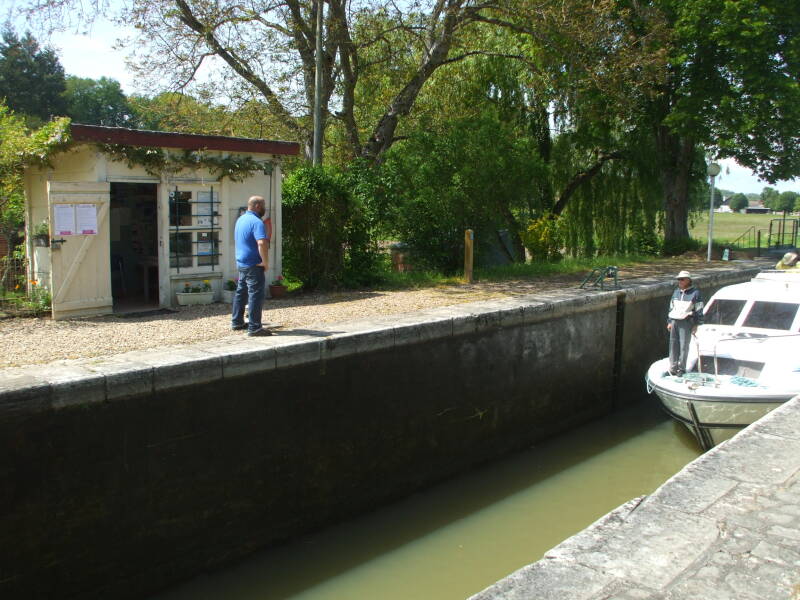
(729, 226)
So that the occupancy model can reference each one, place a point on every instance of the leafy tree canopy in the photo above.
(786, 201)
(738, 202)
(734, 79)
(97, 102)
(769, 196)
(31, 78)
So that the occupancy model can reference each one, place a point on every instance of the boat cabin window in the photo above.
(723, 312)
(771, 315)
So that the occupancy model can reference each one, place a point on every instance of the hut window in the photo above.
(194, 229)
(180, 209)
(180, 249)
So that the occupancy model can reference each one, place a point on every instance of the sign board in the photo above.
(75, 219)
(86, 219)
(64, 219)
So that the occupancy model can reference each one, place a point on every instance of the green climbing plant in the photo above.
(157, 161)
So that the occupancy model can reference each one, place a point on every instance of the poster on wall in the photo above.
(205, 208)
(64, 219)
(86, 219)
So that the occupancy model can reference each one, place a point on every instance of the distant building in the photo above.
(756, 207)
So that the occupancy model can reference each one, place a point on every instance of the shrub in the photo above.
(645, 242)
(544, 238)
(328, 229)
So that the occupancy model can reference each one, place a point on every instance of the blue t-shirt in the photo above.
(249, 229)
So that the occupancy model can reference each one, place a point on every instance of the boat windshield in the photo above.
(724, 312)
(771, 315)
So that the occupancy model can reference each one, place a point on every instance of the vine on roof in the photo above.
(157, 161)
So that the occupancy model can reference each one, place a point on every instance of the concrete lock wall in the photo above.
(126, 474)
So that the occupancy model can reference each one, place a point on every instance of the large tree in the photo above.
(266, 49)
(727, 81)
(31, 78)
(731, 86)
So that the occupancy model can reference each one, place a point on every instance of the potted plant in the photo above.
(41, 234)
(228, 290)
(277, 289)
(195, 293)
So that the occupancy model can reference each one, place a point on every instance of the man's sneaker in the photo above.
(259, 332)
(238, 327)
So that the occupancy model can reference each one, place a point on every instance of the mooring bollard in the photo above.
(468, 241)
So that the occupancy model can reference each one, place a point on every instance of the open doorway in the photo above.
(134, 246)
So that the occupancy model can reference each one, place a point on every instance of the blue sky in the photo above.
(79, 56)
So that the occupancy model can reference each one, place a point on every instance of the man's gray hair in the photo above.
(254, 201)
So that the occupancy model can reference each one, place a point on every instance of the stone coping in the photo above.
(726, 526)
(89, 380)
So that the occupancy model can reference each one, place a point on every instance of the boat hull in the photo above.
(706, 412)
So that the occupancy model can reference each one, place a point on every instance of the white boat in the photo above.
(749, 349)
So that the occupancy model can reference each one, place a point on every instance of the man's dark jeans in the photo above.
(250, 291)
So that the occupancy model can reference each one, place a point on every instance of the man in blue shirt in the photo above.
(252, 260)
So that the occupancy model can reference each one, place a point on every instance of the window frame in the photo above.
(213, 228)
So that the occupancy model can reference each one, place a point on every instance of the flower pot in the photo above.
(42, 241)
(192, 298)
(277, 291)
(227, 296)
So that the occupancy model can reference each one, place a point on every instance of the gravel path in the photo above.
(36, 341)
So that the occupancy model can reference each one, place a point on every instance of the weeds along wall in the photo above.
(131, 475)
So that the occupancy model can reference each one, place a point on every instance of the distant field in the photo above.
(729, 226)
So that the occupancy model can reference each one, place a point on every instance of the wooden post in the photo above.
(468, 240)
(758, 243)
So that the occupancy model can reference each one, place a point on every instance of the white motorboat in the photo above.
(743, 363)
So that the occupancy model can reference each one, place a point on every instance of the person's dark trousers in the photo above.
(250, 291)
(679, 338)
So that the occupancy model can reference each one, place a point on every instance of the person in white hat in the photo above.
(789, 261)
(685, 314)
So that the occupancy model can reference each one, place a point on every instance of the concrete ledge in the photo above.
(727, 526)
(138, 373)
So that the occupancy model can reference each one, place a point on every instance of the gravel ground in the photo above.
(36, 341)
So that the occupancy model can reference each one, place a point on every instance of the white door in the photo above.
(80, 280)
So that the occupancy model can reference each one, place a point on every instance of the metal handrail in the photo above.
(750, 231)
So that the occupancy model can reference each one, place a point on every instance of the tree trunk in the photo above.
(676, 165)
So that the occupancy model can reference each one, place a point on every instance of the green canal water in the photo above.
(455, 539)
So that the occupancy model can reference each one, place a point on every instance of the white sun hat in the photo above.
(683, 274)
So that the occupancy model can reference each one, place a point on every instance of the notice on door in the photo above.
(75, 219)
(64, 217)
(86, 219)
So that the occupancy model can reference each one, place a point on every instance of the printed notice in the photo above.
(205, 208)
(86, 219)
(64, 217)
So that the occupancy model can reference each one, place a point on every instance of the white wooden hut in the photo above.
(126, 236)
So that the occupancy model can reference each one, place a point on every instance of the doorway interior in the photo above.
(134, 246)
